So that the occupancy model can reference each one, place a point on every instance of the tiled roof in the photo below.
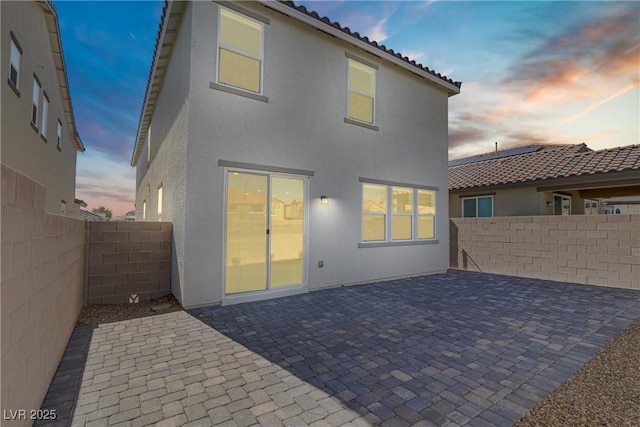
(548, 162)
(365, 39)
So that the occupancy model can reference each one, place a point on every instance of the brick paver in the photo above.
(450, 349)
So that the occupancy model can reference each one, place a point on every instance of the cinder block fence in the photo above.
(41, 290)
(128, 261)
(591, 249)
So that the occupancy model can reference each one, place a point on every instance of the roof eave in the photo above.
(51, 17)
(452, 89)
(171, 19)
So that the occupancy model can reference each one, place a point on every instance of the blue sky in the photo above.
(541, 71)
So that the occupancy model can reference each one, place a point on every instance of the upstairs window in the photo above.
(362, 92)
(45, 111)
(240, 51)
(59, 136)
(477, 207)
(35, 101)
(14, 61)
(144, 209)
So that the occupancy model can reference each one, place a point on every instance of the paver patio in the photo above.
(448, 349)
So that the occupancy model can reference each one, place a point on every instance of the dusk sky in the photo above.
(543, 71)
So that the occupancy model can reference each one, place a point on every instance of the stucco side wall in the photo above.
(41, 290)
(302, 127)
(169, 136)
(591, 249)
(23, 148)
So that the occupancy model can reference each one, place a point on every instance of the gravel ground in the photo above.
(605, 392)
(107, 313)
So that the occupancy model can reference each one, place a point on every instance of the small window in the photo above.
(14, 71)
(59, 136)
(374, 212)
(35, 102)
(240, 51)
(362, 92)
(149, 144)
(144, 209)
(477, 207)
(160, 203)
(63, 207)
(45, 112)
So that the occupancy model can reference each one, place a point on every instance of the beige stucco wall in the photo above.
(23, 149)
(41, 290)
(514, 201)
(591, 249)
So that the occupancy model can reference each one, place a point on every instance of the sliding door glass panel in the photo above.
(246, 245)
(287, 231)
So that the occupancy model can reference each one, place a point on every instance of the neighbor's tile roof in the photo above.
(548, 162)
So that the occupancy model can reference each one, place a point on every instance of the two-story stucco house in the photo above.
(290, 153)
(39, 137)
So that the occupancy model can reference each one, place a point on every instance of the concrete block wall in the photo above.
(128, 261)
(590, 249)
(41, 290)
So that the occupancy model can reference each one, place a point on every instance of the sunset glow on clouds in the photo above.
(544, 71)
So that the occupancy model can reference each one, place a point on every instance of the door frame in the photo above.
(269, 293)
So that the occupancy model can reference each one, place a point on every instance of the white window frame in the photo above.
(383, 214)
(413, 212)
(14, 60)
(59, 136)
(419, 215)
(476, 198)
(349, 89)
(388, 230)
(35, 101)
(239, 52)
(563, 197)
(45, 113)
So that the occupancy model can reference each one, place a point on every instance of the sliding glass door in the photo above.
(265, 226)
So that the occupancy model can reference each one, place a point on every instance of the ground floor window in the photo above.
(561, 204)
(395, 213)
(477, 207)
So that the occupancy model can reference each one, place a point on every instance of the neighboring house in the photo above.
(542, 179)
(90, 216)
(256, 110)
(39, 136)
(130, 216)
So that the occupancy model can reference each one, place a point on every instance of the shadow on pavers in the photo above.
(65, 386)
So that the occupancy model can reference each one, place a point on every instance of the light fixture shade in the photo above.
(324, 200)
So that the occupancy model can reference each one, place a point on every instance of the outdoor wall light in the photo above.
(549, 203)
(324, 200)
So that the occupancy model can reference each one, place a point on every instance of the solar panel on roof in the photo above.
(499, 155)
